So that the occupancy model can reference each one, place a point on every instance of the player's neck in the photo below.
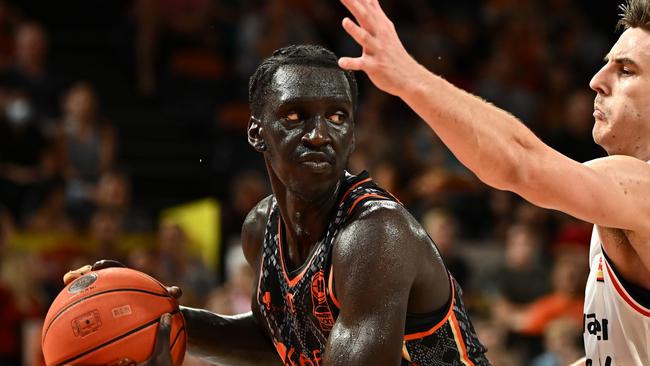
(305, 221)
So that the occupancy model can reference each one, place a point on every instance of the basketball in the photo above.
(110, 316)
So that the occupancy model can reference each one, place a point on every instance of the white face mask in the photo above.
(18, 112)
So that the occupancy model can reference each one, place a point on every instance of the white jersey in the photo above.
(616, 326)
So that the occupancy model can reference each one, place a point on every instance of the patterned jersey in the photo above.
(616, 315)
(300, 307)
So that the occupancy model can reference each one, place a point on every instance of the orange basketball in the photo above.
(108, 317)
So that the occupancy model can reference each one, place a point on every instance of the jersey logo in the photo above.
(321, 310)
(600, 277)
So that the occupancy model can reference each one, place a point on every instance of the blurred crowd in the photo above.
(111, 112)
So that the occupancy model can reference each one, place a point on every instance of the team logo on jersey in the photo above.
(321, 310)
(600, 277)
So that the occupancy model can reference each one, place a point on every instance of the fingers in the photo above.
(101, 264)
(106, 263)
(175, 291)
(73, 275)
(161, 350)
(360, 35)
(359, 10)
(350, 63)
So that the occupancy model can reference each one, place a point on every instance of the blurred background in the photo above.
(122, 135)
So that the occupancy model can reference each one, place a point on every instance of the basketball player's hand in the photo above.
(383, 58)
(174, 291)
(161, 355)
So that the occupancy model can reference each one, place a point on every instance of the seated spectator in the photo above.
(113, 192)
(565, 301)
(177, 265)
(30, 70)
(234, 296)
(26, 164)
(442, 227)
(86, 143)
(51, 217)
(563, 344)
(105, 233)
(521, 278)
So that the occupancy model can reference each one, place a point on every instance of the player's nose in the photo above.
(600, 81)
(318, 133)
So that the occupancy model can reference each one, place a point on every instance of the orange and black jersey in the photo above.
(300, 307)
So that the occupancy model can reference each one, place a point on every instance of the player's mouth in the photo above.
(316, 160)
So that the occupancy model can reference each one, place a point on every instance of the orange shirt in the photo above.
(548, 308)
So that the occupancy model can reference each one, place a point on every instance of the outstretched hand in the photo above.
(383, 58)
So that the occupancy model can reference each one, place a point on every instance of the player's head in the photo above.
(302, 107)
(622, 105)
(309, 55)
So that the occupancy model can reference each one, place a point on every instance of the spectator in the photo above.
(442, 227)
(177, 264)
(234, 296)
(31, 73)
(26, 164)
(87, 148)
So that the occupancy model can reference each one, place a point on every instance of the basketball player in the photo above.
(612, 192)
(346, 276)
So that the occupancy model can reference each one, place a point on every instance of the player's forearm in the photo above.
(228, 340)
(489, 141)
(580, 362)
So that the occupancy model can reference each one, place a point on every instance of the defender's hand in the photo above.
(384, 58)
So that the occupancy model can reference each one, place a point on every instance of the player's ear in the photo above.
(254, 132)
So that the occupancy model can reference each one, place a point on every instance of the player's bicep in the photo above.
(372, 284)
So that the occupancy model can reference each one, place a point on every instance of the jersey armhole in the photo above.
(637, 297)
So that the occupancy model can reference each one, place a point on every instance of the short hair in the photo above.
(635, 14)
(310, 55)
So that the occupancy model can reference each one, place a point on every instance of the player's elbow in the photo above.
(510, 172)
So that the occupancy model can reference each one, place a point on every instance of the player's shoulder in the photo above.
(252, 233)
(377, 226)
(618, 163)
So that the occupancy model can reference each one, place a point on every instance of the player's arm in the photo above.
(496, 146)
(374, 268)
(240, 339)
(580, 362)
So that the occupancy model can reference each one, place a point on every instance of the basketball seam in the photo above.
(135, 330)
(181, 330)
(58, 314)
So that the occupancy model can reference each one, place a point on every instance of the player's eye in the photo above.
(625, 71)
(338, 117)
(292, 116)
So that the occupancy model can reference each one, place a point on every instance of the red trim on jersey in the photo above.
(363, 197)
(330, 288)
(355, 185)
(259, 279)
(621, 291)
(458, 336)
(291, 281)
(410, 337)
